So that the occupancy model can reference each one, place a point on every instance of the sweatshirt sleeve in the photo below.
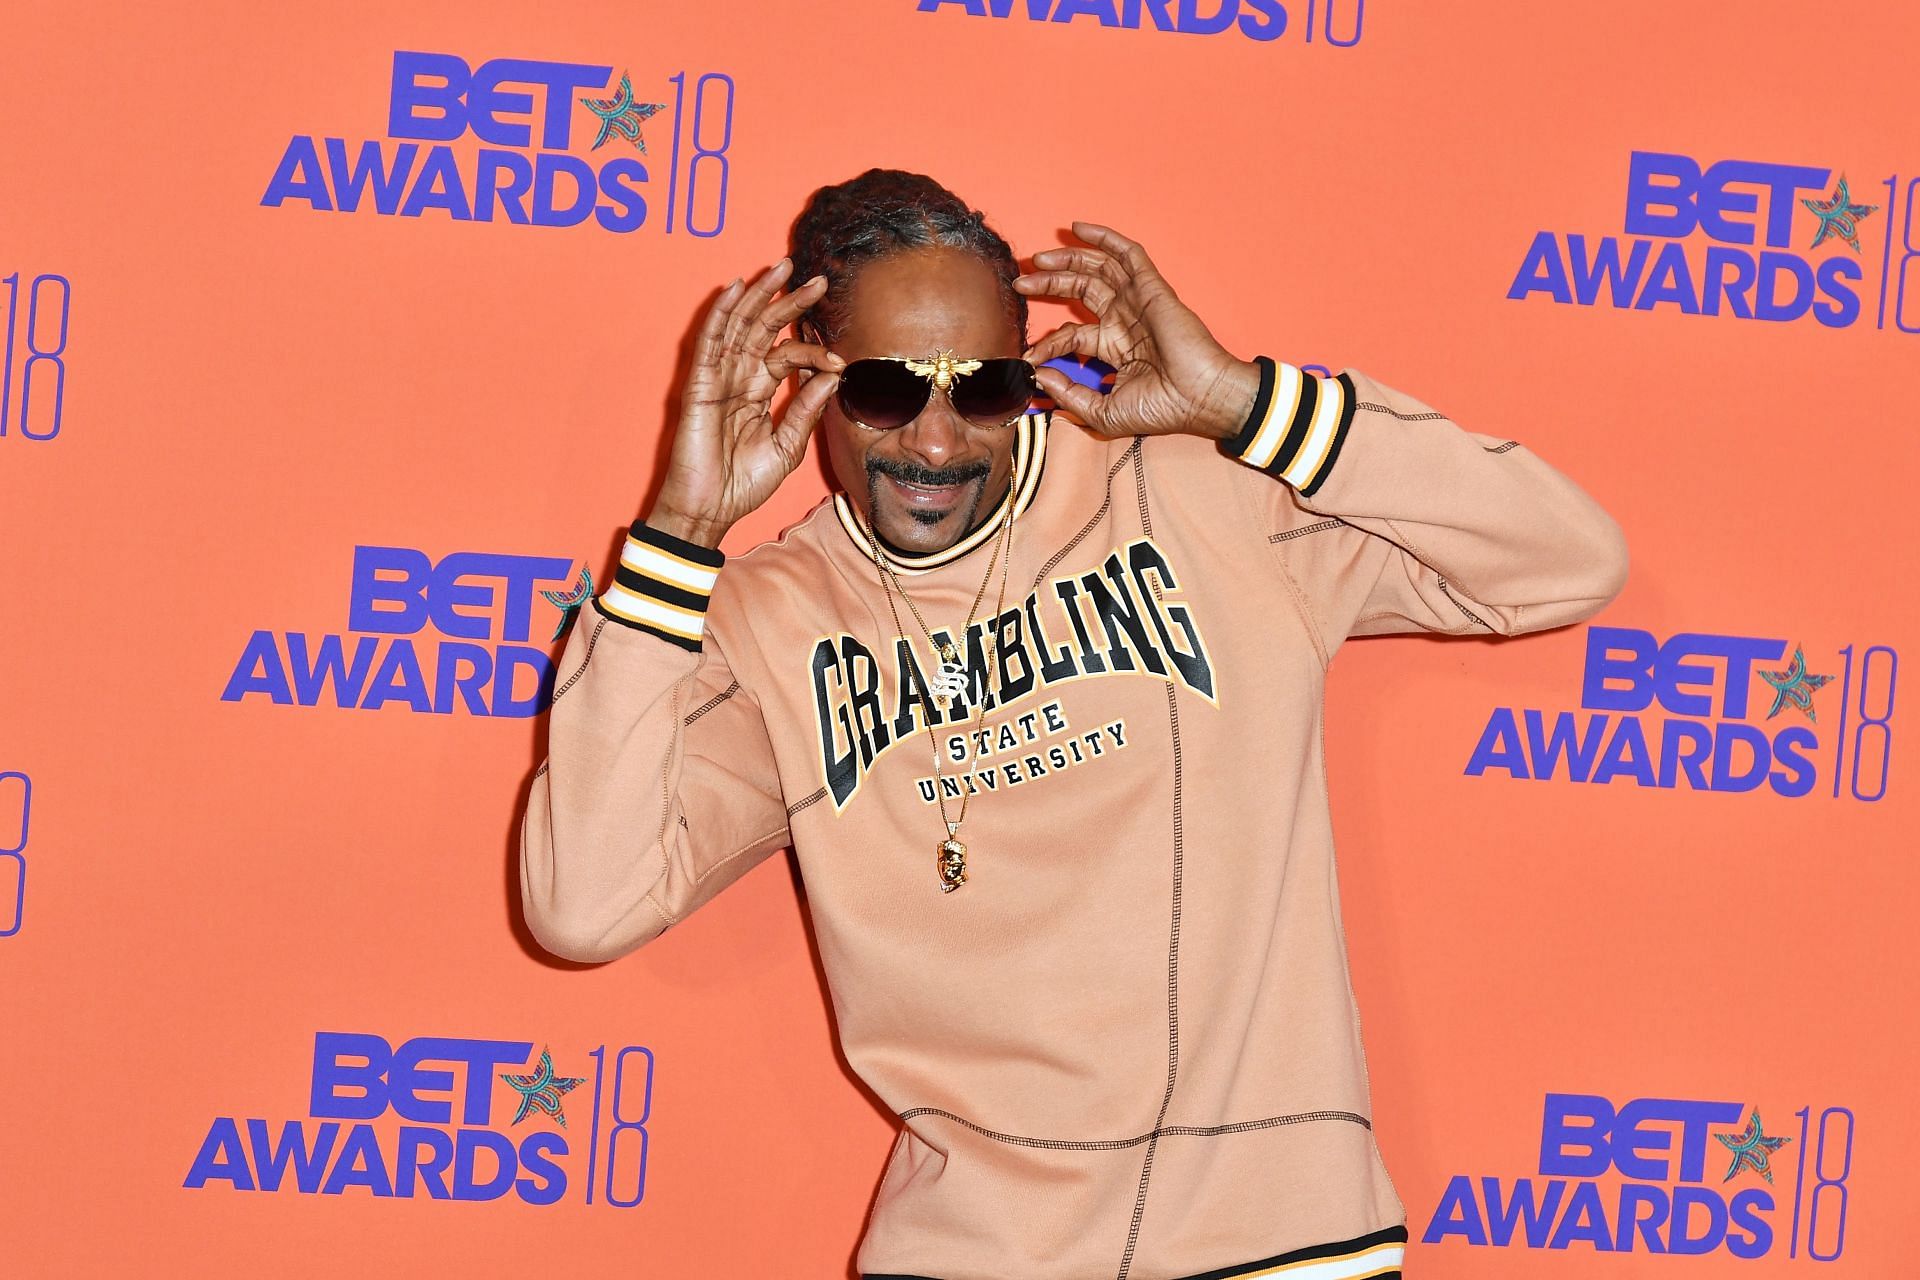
(1393, 518)
(659, 788)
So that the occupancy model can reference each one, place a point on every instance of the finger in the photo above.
(1130, 253)
(1093, 262)
(784, 310)
(754, 300)
(794, 354)
(1072, 338)
(1095, 292)
(713, 328)
(802, 415)
(1083, 402)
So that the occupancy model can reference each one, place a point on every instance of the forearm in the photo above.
(1488, 535)
(642, 810)
(594, 846)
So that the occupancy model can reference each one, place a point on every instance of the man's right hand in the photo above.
(729, 455)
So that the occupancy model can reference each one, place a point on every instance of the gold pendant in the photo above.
(951, 680)
(950, 858)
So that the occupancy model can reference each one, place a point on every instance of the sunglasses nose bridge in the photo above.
(937, 432)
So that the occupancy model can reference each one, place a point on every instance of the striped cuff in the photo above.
(662, 586)
(1298, 423)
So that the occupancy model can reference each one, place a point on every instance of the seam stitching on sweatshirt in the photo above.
(748, 847)
(1429, 417)
(666, 919)
(1398, 535)
(1422, 417)
(1412, 548)
(1310, 620)
(1456, 603)
(599, 625)
(1098, 516)
(1120, 1144)
(1289, 534)
(666, 809)
(712, 702)
(1173, 929)
(1395, 413)
(813, 799)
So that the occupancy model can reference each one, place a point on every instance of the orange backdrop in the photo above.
(216, 390)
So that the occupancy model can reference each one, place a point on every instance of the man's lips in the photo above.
(926, 497)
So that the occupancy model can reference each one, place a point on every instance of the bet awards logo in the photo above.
(448, 1139)
(1738, 238)
(1737, 713)
(1693, 1178)
(481, 606)
(514, 175)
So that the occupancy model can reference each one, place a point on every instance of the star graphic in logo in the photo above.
(1839, 216)
(621, 114)
(1751, 1148)
(570, 600)
(542, 1089)
(1794, 685)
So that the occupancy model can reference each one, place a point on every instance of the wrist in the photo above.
(701, 532)
(1234, 398)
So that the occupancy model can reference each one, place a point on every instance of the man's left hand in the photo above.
(1169, 373)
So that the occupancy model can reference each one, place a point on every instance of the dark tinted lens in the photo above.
(996, 392)
(882, 393)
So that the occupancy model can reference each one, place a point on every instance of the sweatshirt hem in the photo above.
(1378, 1255)
(1158, 1131)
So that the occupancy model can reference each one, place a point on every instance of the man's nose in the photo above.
(937, 434)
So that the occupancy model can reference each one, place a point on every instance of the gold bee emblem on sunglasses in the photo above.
(943, 368)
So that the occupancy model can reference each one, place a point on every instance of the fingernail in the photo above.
(816, 280)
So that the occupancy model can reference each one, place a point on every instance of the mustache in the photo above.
(914, 473)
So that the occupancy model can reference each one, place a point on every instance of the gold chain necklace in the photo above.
(950, 855)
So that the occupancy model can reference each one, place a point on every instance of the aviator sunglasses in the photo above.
(883, 393)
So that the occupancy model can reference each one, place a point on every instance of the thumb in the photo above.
(1082, 402)
(801, 416)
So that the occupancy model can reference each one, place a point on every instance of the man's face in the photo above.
(924, 485)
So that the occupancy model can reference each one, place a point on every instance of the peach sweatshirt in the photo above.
(1127, 1045)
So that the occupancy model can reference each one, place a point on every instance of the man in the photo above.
(1068, 857)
